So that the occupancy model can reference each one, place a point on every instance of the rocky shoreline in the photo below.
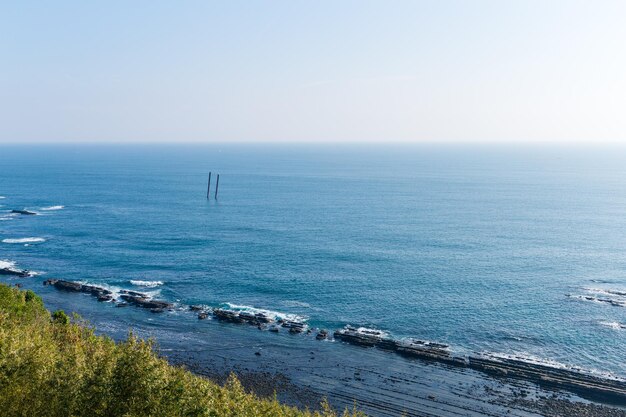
(586, 385)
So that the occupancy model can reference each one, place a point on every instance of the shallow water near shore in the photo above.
(505, 250)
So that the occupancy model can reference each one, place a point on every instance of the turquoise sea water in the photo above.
(478, 247)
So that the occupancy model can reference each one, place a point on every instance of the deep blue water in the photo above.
(474, 246)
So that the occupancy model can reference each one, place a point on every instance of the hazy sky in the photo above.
(308, 71)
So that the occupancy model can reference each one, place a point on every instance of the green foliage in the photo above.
(60, 317)
(50, 370)
(30, 296)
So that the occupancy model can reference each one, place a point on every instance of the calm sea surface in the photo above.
(477, 247)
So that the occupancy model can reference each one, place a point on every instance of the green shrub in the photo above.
(30, 296)
(60, 317)
(53, 370)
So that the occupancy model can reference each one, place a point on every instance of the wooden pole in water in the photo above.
(217, 184)
(208, 189)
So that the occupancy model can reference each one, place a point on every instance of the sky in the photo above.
(313, 71)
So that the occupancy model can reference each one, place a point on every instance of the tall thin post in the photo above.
(208, 189)
(217, 184)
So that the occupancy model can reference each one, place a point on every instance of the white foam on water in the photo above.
(149, 284)
(613, 325)
(25, 240)
(607, 291)
(366, 330)
(51, 208)
(1, 197)
(529, 358)
(615, 302)
(12, 265)
(7, 264)
(272, 314)
(550, 363)
(114, 290)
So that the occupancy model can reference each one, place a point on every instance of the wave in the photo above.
(613, 325)
(6, 264)
(115, 291)
(25, 240)
(8, 216)
(550, 363)
(51, 208)
(612, 301)
(369, 331)
(620, 293)
(275, 315)
(149, 284)
(1, 197)
(11, 265)
(529, 358)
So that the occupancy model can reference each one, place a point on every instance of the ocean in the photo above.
(512, 250)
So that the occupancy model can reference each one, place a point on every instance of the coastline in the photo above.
(380, 384)
(593, 387)
(303, 371)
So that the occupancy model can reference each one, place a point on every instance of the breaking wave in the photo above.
(149, 284)
(7, 264)
(51, 208)
(535, 360)
(275, 315)
(370, 331)
(620, 293)
(613, 325)
(24, 240)
(614, 297)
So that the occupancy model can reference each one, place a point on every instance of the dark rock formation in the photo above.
(67, 285)
(294, 326)
(145, 302)
(22, 273)
(363, 337)
(227, 315)
(24, 212)
(322, 334)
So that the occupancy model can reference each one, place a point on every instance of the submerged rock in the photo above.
(22, 273)
(102, 294)
(227, 315)
(274, 328)
(24, 212)
(360, 337)
(423, 349)
(322, 334)
(105, 298)
(67, 285)
(294, 326)
(145, 302)
(263, 318)
(134, 293)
